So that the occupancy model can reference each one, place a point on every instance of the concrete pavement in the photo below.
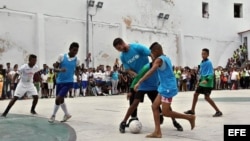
(98, 118)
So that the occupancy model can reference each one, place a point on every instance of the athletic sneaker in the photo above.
(178, 126)
(133, 118)
(33, 112)
(217, 114)
(66, 117)
(161, 119)
(122, 127)
(52, 119)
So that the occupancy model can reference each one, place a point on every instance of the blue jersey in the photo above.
(168, 86)
(68, 75)
(115, 75)
(135, 59)
(206, 68)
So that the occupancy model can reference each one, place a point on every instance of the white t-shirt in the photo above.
(107, 76)
(75, 78)
(26, 73)
(12, 73)
(44, 77)
(234, 75)
(84, 77)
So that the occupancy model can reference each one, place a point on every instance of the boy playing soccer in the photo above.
(167, 89)
(205, 84)
(25, 84)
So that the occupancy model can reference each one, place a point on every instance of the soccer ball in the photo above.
(135, 126)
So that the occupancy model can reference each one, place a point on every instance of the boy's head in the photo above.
(32, 60)
(156, 50)
(120, 45)
(73, 49)
(205, 53)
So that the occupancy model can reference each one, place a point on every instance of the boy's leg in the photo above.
(11, 103)
(152, 96)
(166, 103)
(131, 99)
(211, 102)
(34, 103)
(155, 108)
(137, 98)
(195, 99)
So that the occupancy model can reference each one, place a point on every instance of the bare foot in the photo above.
(192, 121)
(154, 135)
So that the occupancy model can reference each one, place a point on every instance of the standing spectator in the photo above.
(37, 81)
(217, 73)
(2, 77)
(50, 81)
(11, 77)
(44, 86)
(177, 73)
(7, 81)
(117, 64)
(114, 80)
(234, 79)
(84, 81)
(247, 77)
(108, 78)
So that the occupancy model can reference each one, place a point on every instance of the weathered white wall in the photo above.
(48, 27)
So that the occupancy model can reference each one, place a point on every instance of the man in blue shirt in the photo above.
(134, 56)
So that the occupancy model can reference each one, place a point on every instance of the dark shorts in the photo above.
(204, 90)
(84, 84)
(140, 95)
(63, 88)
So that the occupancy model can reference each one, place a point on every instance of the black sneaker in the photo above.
(33, 112)
(217, 114)
(133, 118)
(161, 119)
(178, 126)
(122, 127)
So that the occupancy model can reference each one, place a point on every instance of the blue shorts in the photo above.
(62, 89)
(76, 85)
(84, 84)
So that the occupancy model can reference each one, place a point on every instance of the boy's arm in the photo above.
(157, 62)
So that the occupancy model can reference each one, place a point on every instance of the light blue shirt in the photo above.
(70, 66)
(168, 86)
(135, 58)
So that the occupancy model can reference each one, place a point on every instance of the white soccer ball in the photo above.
(135, 126)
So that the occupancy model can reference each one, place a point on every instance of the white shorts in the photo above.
(50, 85)
(23, 88)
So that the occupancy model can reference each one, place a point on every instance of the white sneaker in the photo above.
(66, 117)
(52, 119)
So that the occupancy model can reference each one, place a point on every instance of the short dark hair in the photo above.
(74, 45)
(32, 56)
(155, 45)
(206, 50)
(117, 41)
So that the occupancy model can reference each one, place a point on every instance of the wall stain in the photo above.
(6, 45)
(127, 21)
